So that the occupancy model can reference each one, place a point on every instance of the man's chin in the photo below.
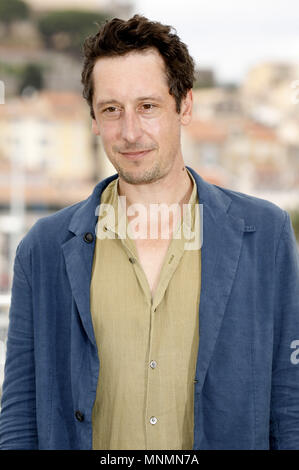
(140, 177)
(136, 179)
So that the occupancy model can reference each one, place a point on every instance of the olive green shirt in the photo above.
(147, 346)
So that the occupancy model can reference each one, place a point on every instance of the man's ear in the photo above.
(186, 108)
(94, 127)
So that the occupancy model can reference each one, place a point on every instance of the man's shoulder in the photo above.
(59, 219)
(59, 227)
(240, 204)
(257, 213)
(50, 229)
(254, 204)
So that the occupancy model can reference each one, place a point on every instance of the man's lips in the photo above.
(133, 155)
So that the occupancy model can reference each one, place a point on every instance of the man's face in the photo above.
(136, 115)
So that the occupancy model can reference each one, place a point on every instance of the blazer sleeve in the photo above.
(284, 413)
(18, 428)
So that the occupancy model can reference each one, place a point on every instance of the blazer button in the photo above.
(88, 237)
(79, 416)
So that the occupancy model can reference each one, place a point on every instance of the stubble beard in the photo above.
(144, 177)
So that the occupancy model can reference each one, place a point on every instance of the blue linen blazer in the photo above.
(246, 386)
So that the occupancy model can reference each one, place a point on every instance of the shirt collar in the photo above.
(116, 220)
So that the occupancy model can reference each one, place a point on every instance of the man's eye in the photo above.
(110, 109)
(148, 106)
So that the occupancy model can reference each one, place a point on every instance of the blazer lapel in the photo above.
(78, 259)
(78, 255)
(220, 252)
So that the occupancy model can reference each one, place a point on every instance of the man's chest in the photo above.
(151, 255)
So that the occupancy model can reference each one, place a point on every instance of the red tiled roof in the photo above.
(215, 131)
(48, 105)
(259, 131)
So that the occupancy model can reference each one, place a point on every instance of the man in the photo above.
(153, 342)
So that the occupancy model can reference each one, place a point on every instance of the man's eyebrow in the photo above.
(104, 103)
(141, 98)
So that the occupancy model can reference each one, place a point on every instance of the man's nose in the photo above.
(131, 126)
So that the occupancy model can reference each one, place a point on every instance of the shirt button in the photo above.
(153, 364)
(153, 420)
(132, 260)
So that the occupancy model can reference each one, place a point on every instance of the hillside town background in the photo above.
(243, 136)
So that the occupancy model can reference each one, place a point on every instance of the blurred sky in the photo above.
(231, 35)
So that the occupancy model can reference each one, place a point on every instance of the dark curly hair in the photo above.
(118, 37)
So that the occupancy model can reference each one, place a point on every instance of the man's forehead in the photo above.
(136, 82)
(138, 59)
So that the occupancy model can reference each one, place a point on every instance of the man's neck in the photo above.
(175, 187)
(170, 191)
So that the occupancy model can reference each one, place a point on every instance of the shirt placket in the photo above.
(155, 417)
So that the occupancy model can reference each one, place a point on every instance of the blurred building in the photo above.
(240, 154)
(49, 159)
(247, 137)
(50, 133)
(121, 8)
(60, 71)
(204, 144)
(267, 92)
(41, 5)
(217, 101)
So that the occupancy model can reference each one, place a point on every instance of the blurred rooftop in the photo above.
(48, 104)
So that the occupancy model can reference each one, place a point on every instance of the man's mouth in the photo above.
(135, 155)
